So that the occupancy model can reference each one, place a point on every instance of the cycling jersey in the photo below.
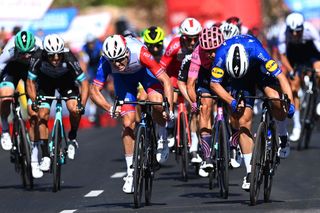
(15, 65)
(304, 51)
(172, 59)
(62, 77)
(141, 68)
(184, 68)
(262, 70)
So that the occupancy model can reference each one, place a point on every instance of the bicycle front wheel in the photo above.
(24, 144)
(56, 158)
(150, 167)
(258, 161)
(223, 160)
(184, 147)
(306, 122)
(138, 159)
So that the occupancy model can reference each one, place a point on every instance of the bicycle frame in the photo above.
(182, 108)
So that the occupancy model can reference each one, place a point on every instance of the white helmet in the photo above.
(53, 43)
(114, 47)
(229, 30)
(295, 21)
(190, 27)
(237, 61)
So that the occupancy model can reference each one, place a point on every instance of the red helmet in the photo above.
(211, 38)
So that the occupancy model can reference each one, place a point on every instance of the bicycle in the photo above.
(144, 157)
(220, 148)
(57, 150)
(309, 104)
(182, 136)
(20, 153)
(265, 159)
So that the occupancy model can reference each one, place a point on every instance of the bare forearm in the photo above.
(168, 91)
(98, 98)
(285, 87)
(221, 92)
(285, 62)
(31, 90)
(191, 90)
(183, 89)
(84, 92)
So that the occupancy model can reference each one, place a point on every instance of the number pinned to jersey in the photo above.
(271, 66)
(217, 72)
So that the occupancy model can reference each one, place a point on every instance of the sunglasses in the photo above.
(119, 60)
(157, 45)
(191, 38)
(52, 55)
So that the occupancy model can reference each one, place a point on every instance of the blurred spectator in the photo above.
(3, 38)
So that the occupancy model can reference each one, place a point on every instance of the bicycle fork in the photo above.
(182, 108)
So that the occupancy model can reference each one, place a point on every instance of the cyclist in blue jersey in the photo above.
(56, 68)
(247, 66)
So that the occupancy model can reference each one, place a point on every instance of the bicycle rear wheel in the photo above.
(223, 160)
(306, 123)
(214, 146)
(56, 158)
(150, 167)
(258, 161)
(138, 160)
(25, 160)
(272, 160)
(184, 147)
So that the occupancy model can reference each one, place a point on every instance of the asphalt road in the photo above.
(88, 184)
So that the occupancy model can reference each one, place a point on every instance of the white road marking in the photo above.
(118, 175)
(94, 193)
(69, 211)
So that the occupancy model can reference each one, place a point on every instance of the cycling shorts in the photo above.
(12, 73)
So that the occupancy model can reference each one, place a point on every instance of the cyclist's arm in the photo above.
(183, 89)
(221, 92)
(31, 89)
(285, 62)
(35, 62)
(192, 78)
(148, 61)
(285, 87)
(183, 77)
(282, 47)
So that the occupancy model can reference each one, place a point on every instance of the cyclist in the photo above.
(243, 60)
(202, 57)
(299, 45)
(14, 65)
(237, 21)
(174, 54)
(92, 49)
(153, 38)
(127, 60)
(55, 67)
(229, 30)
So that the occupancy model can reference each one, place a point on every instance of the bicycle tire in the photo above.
(149, 171)
(212, 173)
(311, 117)
(56, 158)
(26, 171)
(305, 130)
(223, 160)
(138, 160)
(258, 160)
(271, 161)
(184, 147)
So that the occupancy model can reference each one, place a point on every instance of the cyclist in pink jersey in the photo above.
(175, 53)
(202, 57)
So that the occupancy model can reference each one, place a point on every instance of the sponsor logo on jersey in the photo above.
(217, 72)
(271, 65)
(261, 56)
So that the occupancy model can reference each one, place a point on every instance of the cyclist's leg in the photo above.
(194, 139)
(316, 66)
(295, 85)
(170, 125)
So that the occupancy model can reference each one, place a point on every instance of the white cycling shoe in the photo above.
(72, 146)
(170, 142)
(246, 182)
(295, 134)
(45, 164)
(162, 151)
(36, 171)
(284, 152)
(128, 184)
(6, 142)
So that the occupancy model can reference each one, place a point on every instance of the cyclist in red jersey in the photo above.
(175, 53)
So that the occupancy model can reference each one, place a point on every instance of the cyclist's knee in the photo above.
(128, 121)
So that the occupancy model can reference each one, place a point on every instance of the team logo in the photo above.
(271, 66)
(217, 72)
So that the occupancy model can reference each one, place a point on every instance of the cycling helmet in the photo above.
(24, 41)
(229, 30)
(295, 21)
(53, 44)
(237, 62)
(114, 47)
(234, 20)
(153, 35)
(210, 38)
(190, 27)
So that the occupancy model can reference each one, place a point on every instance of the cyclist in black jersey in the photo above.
(56, 68)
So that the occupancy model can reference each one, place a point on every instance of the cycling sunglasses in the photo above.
(189, 39)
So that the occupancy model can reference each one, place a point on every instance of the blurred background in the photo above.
(75, 19)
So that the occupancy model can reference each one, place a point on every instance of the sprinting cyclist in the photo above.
(56, 68)
(14, 66)
(229, 30)
(237, 21)
(175, 53)
(247, 65)
(299, 45)
(127, 60)
(199, 72)
(153, 38)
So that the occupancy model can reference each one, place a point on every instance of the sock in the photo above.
(282, 127)
(5, 124)
(129, 159)
(296, 120)
(162, 131)
(247, 161)
(35, 152)
(206, 145)
(194, 142)
(72, 134)
(45, 148)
